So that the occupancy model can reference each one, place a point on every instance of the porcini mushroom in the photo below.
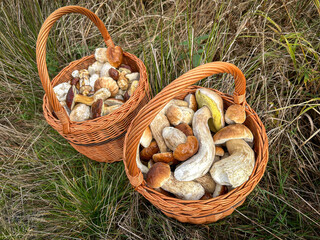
(134, 85)
(177, 102)
(159, 175)
(206, 182)
(101, 55)
(80, 112)
(95, 68)
(146, 138)
(235, 169)
(186, 150)
(177, 115)
(173, 137)
(156, 126)
(199, 164)
(234, 131)
(185, 128)
(133, 76)
(166, 157)
(147, 153)
(84, 90)
(61, 90)
(93, 79)
(214, 102)
(113, 101)
(115, 56)
(235, 114)
(192, 103)
(105, 70)
(109, 83)
(220, 190)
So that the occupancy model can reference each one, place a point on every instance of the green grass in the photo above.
(49, 191)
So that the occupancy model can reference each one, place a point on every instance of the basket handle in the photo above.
(148, 112)
(41, 56)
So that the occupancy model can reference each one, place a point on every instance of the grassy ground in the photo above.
(49, 191)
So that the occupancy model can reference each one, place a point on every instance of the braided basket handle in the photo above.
(41, 55)
(147, 113)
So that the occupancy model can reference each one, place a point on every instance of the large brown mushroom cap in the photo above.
(235, 114)
(115, 56)
(70, 97)
(158, 174)
(186, 150)
(235, 131)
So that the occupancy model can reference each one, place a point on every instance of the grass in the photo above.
(49, 191)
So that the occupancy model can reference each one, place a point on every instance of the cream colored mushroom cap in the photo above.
(235, 131)
(158, 174)
(235, 114)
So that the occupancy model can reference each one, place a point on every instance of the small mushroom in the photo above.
(124, 71)
(235, 114)
(80, 112)
(235, 169)
(134, 85)
(147, 153)
(93, 79)
(61, 90)
(156, 126)
(122, 65)
(115, 56)
(219, 151)
(177, 115)
(123, 82)
(84, 75)
(220, 190)
(199, 164)
(84, 90)
(186, 150)
(75, 74)
(101, 55)
(107, 82)
(159, 175)
(146, 138)
(173, 137)
(133, 76)
(166, 157)
(206, 182)
(144, 169)
(105, 70)
(95, 68)
(114, 74)
(185, 128)
(76, 81)
(192, 103)
(177, 102)
(234, 131)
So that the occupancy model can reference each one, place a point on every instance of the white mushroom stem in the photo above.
(142, 167)
(185, 190)
(200, 163)
(235, 169)
(156, 126)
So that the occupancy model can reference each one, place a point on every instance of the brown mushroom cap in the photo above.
(219, 151)
(186, 150)
(115, 56)
(107, 82)
(185, 128)
(70, 97)
(97, 108)
(191, 99)
(158, 174)
(147, 153)
(166, 157)
(235, 131)
(235, 114)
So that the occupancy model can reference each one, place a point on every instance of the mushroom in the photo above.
(110, 109)
(185, 128)
(123, 82)
(113, 101)
(134, 85)
(219, 151)
(93, 79)
(105, 70)
(75, 74)
(177, 115)
(166, 157)
(199, 164)
(144, 169)
(173, 137)
(177, 102)
(133, 76)
(192, 103)
(235, 169)
(99, 108)
(156, 126)
(159, 175)
(206, 182)
(114, 74)
(80, 112)
(186, 150)
(119, 97)
(214, 102)
(84, 77)
(125, 70)
(61, 90)
(220, 190)
(147, 153)
(84, 90)
(76, 81)
(107, 82)
(234, 131)
(235, 114)
(122, 65)
(146, 138)
(115, 56)
(95, 68)
(101, 55)
(64, 105)
(73, 97)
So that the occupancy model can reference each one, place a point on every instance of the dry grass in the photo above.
(49, 191)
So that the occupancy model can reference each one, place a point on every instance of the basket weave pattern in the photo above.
(200, 211)
(100, 139)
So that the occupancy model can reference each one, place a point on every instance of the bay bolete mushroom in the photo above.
(235, 169)
(214, 102)
(159, 175)
(234, 131)
(199, 164)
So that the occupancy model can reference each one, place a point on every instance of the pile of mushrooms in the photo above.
(100, 89)
(194, 150)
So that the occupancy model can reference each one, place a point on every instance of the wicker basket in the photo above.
(201, 211)
(100, 139)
